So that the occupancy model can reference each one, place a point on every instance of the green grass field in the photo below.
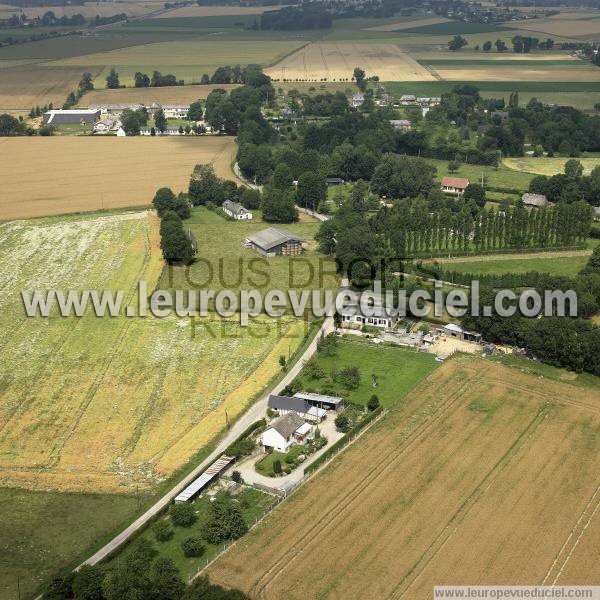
(42, 532)
(396, 371)
(501, 177)
(561, 266)
(225, 264)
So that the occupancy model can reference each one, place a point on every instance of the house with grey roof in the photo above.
(273, 242)
(401, 124)
(236, 211)
(309, 411)
(285, 432)
(535, 200)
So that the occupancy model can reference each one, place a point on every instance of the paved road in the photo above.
(255, 412)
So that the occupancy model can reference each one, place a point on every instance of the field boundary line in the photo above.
(362, 486)
(469, 502)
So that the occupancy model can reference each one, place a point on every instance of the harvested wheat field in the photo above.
(584, 27)
(336, 62)
(77, 173)
(579, 72)
(408, 24)
(115, 402)
(182, 94)
(24, 86)
(483, 475)
(89, 9)
(546, 165)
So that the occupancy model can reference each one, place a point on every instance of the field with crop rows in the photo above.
(75, 174)
(414, 503)
(336, 61)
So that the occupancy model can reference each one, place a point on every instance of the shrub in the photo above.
(373, 403)
(192, 546)
(162, 531)
(342, 422)
(225, 522)
(349, 377)
(183, 514)
(237, 477)
(277, 467)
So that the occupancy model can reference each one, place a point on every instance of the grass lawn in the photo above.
(496, 177)
(43, 532)
(224, 263)
(548, 166)
(396, 370)
(265, 465)
(562, 266)
(253, 504)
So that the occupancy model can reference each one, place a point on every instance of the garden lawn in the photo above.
(224, 263)
(396, 370)
(265, 465)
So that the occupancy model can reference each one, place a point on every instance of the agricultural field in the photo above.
(24, 86)
(187, 60)
(408, 24)
(548, 166)
(566, 264)
(336, 61)
(77, 174)
(579, 71)
(42, 532)
(163, 95)
(396, 371)
(226, 264)
(420, 503)
(89, 9)
(577, 25)
(214, 11)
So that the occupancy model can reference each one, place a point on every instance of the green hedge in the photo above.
(343, 441)
(231, 449)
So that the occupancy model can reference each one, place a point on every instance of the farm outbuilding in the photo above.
(300, 406)
(192, 490)
(535, 200)
(272, 242)
(321, 400)
(71, 117)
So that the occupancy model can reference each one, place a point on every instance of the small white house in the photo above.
(401, 124)
(285, 432)
(107, 125)
(236, 211)
(357, 100)
(379, 317)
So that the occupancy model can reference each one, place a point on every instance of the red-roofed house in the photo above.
(454, 185)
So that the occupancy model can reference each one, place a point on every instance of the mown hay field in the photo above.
(547, 166)
(27, 85)
(483, 474)
(58, 175)
(107, 404)
(188, 60)
(163, 95)
(336, 61)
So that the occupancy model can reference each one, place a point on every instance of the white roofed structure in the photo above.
(199, 484)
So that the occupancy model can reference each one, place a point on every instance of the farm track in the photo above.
(525, 256)
(573, 539)
(329, 518)
(449, 530)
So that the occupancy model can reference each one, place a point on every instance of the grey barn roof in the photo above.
(271, 238)
(379, 312)
(335, 400)
(298, 405)
(287, 424)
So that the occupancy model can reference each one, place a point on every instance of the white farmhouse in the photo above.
(236, 211)
(285, 432)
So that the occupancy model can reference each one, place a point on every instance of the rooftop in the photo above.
(271, 238)
(318, 397)
(288, 424)
(455, 182)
